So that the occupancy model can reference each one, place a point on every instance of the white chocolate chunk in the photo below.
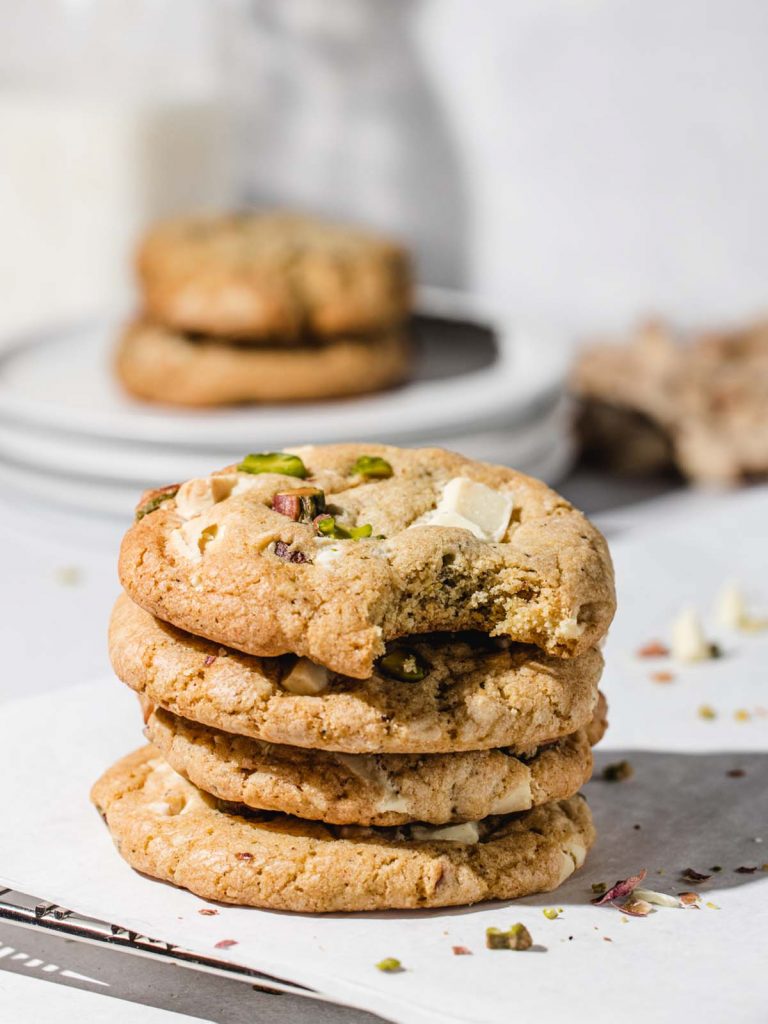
(731, 607)
(365, 767)
(327, 555)
(306, 678)
(201, 493)
(192, 539)
(570, 628)
(471, 506)
(660, 899)
(519, 798)
(688, 640)
(467, 833)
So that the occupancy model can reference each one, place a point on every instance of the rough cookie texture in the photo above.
(165, 827)
(242, 574)
(369, 789)
(161, 365)
(473, 697)
(274, 276)
(657, 401)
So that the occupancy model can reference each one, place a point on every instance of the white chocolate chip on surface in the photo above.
(306, 678)
(468, 505)
(688, 640)
(731, 607)
(467, 833)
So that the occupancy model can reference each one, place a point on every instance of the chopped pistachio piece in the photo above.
(517, 937)
(405, 665)
(390, 964)
(273, 462)
(372, 467)
(302, 505)
(551, 913)
(328, 527)
(156, 499)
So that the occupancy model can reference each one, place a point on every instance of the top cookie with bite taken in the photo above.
(329, 552)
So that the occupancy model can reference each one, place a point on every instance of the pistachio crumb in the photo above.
(390, 965)
(551, 913)
(707, 712)
(517, 937)
(742, 715)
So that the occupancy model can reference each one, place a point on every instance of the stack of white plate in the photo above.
(68, 436)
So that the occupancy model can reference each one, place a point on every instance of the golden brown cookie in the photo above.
(272, 276)
(370, 789)
(473, 696)
(161, 365)
(165, 827)
(412, 541)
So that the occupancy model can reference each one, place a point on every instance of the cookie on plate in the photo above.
(331, 551)
(437, 694)
(272, 276)
(162, 365)
(165, 827)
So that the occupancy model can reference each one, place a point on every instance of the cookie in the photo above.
(368, 789)
(272, 276)
(473, 696)
(161, 365)
(414, 541)
(164, 827)
(658, 403)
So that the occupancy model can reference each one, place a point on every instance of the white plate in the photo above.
(61, 382)
(116, 498)
(144, 465)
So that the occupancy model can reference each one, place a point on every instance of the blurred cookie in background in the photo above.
(266, 307)
(663, 403)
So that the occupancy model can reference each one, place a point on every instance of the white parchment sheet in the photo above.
(690, 813)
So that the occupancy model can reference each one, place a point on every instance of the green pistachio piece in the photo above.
(328, 527)
(273, 462)
(156, 499)
(404, 664)
(390, 964)
(518, 937)
(302, 504)
(372, 467)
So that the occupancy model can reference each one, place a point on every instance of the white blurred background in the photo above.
(581, 161)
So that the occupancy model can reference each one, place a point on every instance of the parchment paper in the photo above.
(690, 813)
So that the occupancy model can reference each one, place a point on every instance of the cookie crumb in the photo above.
(225, 944)
(736, 773)
(653, 649)
(662, 677)
(68, 576)
(461, 951)
(208, 912)
(621, 771)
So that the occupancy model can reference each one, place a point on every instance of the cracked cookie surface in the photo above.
(370, 789)
(166, 828)
(235, 570)
(272, 276)
(161, 365)
(473, 696)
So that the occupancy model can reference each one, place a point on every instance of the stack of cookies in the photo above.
(369, 678)
(265, 307)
